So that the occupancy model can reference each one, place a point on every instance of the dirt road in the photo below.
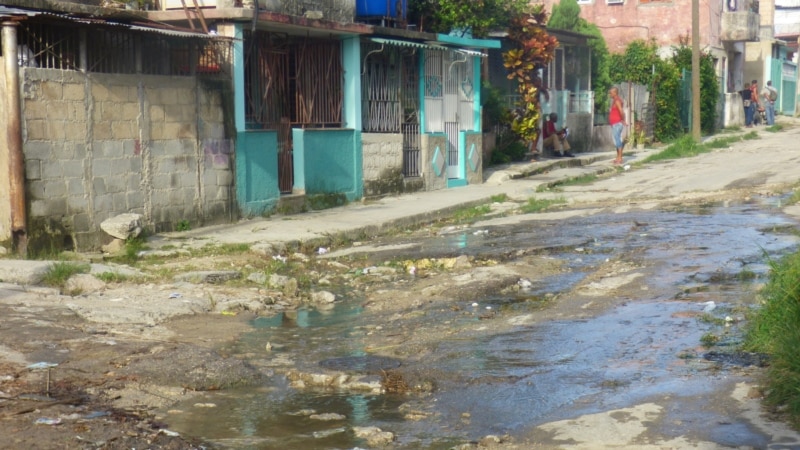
(96, 364)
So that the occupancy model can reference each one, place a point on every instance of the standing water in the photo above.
(483, 379)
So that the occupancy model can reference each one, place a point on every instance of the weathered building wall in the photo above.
(383, 164)
(434, 165)
(665, 22)
(101, 145)
(474, 156)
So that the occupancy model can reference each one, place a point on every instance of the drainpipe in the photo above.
(16, 173)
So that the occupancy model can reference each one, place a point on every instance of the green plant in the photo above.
(111, 277)
(58, 273)
(499, 198)
(508, 148)
(537, 205)
(774, 128)
(709, 84)
(640, 137)
(532, 49)
(478, 18)
(709, 339)
(183, 225)
(468, 215)
(773, 329)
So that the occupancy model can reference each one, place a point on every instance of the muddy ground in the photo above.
(93, 364)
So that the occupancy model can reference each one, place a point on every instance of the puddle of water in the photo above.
(507, 382)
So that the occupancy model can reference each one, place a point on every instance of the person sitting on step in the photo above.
(554, 138)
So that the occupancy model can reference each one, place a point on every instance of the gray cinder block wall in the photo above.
(101, 145)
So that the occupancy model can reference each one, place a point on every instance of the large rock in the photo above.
(123, 226)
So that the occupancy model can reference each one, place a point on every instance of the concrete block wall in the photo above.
(433, 146)
(383, 164)
(101, 145)
(474, 156)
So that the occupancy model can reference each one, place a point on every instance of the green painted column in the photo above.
(351, 61)
(476, 101)
(422, 83)
(238, 77)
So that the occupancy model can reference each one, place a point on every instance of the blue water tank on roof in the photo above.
(382, 8)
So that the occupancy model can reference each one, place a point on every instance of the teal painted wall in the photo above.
(257, 172)
(328, 161)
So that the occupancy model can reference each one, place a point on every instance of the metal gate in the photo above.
(291, 82)
(449, 97)
(390, 98)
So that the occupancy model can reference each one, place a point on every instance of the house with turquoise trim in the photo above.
(327, 110)
(207, 114)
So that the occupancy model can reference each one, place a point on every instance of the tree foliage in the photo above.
(709, 84)
(474, 16)
(532, 50)
(640, 64)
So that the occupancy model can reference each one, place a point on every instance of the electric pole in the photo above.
(696, 70)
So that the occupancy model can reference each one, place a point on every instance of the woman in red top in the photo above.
(616, 118)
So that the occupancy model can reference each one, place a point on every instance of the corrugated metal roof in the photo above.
(403, 43)
(6, 12)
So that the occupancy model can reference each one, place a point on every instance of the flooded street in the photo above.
(625, 314)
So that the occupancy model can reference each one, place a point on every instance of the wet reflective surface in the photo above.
(509, 380)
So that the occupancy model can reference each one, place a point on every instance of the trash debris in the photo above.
(488, 307)
(626, 166)
(228, 313)
(710, 305)
(524, 283)
(175, 295)
(48, 421)
(167, 432)
(205, 405)
(474, 305)
(322, 250)
(481, 232)
(412, 270)
(268, 347)
(41, 365)
(279, 258)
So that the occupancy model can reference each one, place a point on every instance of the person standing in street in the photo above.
(754, 104)
(746, 94)
(768, 96)
(616, 118)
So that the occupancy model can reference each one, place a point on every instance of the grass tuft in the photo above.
(535, 205)
(58, 273)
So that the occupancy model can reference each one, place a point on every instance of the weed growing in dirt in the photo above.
(540, 204)
(222, 249)
(183, 225)
(468, 215)
(576, 181)
(685, 147)
(794, 198)
(774, 128)
(773, 329)
(709, 339)
(111, 277)
(499, 198)
(58, 273)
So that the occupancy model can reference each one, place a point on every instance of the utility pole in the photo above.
(696, 70)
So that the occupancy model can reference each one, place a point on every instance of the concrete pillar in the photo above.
(16, 158)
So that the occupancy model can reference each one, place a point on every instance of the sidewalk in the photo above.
(370, 217)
